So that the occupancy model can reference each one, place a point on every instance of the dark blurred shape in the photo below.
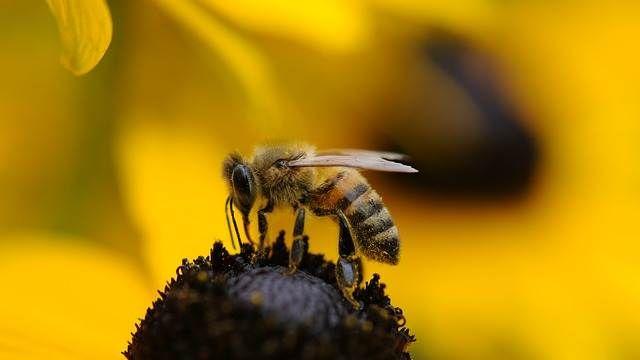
(463, 132)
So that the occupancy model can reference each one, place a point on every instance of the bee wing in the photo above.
(387, 155)
(362, 162)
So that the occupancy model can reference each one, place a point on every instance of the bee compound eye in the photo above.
(281, 164)
(241, 179)
(243, 187)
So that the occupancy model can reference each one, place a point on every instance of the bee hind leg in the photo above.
(300, 245)
(348, 265)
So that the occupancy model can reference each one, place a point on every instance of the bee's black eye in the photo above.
(243, 187)
(280, 164)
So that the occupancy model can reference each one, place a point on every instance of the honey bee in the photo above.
(327, 184)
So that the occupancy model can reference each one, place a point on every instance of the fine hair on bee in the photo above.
(326, 183)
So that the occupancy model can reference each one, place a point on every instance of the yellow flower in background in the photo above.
(327, 25)
(86, 26)
(67, 300)
(553, 276)
(78, 300)
(331, 26)
(174, 190)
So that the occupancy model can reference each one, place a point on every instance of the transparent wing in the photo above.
(388, 155)
(361, 162)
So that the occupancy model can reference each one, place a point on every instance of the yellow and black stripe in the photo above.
(372, 226)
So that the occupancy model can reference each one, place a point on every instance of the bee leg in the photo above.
(262, 223)
(299, 246)
(348, 265)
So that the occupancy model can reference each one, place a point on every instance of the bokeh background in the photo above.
(519, 235)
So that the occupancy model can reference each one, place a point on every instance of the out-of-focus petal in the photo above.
(461, 16)
(247, 63)
(329, 25)
(64, 300)
(556, 275)
(85, 28)
(173, 184)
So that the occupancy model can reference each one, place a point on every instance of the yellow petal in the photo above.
(555, 275)
(246, 62)
(65, 300)
(329, 25)
(466, 15)
(85, 28)
(173, 185)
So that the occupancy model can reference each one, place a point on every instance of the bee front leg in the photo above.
(299, 246)
(263, 226)
(348, 265)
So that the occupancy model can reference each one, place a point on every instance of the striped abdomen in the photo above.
(371, 224)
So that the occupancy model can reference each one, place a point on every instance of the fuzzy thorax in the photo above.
(274, 181)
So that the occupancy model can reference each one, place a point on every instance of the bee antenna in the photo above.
(235, 224)
(226, 214)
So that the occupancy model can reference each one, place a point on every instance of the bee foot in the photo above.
(348, 294)
(259, 255)
(299, 249)
(347, 277)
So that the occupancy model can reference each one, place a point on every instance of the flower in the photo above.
(326, 25)
(551, 275)
(66, 300)
(329, 26)
(248, 306)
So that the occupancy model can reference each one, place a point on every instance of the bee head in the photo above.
(242, 183)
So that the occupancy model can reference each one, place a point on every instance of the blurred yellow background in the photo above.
(519, 236)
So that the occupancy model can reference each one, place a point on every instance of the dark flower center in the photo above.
(247, 306)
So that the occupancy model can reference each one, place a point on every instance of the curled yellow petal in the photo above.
(85, 29)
